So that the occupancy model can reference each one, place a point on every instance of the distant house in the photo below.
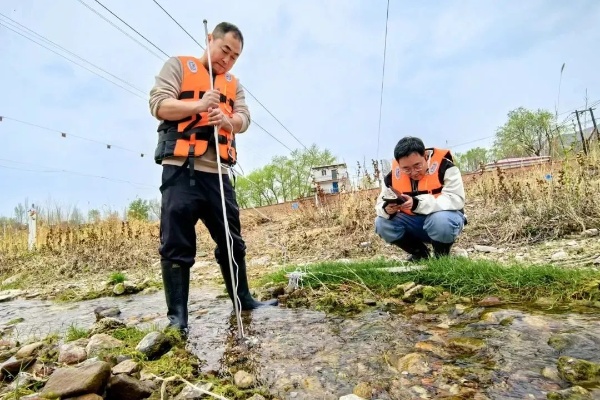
(330, 178)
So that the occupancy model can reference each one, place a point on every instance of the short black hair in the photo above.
(408, 145)
(225, 27)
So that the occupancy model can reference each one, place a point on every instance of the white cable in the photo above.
(236, 301)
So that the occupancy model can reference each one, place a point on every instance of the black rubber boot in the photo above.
(243, 291)
(417, 249)
(176, 282)
(441, 249)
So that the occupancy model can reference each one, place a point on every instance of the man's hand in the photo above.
(392, 208)
(216, 116)
(408, 203)
(210, 100)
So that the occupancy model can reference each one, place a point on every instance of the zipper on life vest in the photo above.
(191, 155)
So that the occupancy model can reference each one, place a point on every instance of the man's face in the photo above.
(224, 52)
(414, 165)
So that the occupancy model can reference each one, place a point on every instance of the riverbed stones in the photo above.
(71, 353)
(243, 379)
(29, 350)
(154, 345)
(105, 325)
(103, 312)
(124, 387)
(127, 367)
(101, 341)
(414, 364)
(74, 381)
(194, 393)
(572, 393)
(577, 371)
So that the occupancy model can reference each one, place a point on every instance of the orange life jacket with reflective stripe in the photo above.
(193, 135)
(429, 184)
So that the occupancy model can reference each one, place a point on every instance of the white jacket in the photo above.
(451, 198)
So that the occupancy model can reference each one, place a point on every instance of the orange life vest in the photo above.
(429, 184)
(193, 135)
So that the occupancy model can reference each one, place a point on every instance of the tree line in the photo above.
(525, 133)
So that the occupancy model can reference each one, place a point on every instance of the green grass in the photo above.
(462, 277)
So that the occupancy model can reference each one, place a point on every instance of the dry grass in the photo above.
(529, 207)
(520, 206)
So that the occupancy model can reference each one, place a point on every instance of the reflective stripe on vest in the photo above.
(429, 184)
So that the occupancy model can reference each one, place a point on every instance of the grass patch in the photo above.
(462, 277)
(74, 333)
(117, 277)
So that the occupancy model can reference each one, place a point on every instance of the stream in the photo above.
(460, 352)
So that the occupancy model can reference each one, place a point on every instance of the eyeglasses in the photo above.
(416, 168)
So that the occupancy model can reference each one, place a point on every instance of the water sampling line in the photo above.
(234, 277)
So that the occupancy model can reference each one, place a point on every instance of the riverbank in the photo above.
(455, 329)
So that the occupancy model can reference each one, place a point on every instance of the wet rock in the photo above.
(485, 249)
(551, 373)
(71, 353)
(433, 348)
(560, 255)
(243, 380)
(572, 393)
(577, 371)
(124, 387)
(89, 396)
(190, 393)
(29, 350)
(370, 302)
(490, 302)
(412, 294)
(13, 366)
(119, 289)
(363, 389)
(127, 367)
(69, 382)
(421, 308)
(101, 341)
(103, 312)
(467, 343)
(105, 325)
(414, 364)
(154, 345)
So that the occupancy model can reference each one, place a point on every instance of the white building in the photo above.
(331, 178)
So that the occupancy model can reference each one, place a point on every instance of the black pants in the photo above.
(183, 205)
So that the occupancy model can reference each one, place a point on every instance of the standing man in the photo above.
(430, 189)
(188, 110)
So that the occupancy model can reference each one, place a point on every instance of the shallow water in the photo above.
(305, 354)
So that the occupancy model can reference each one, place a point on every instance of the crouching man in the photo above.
(422, 200)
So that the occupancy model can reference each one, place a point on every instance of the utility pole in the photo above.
(583, 142)
(595, 126)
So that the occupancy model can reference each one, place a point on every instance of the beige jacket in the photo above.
(168, 85)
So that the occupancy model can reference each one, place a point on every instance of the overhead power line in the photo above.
(387, 16)
(2, 23)
(64, 135)
(202, 47)
(55, 170)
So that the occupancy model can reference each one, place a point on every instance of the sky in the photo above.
(453, 70)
